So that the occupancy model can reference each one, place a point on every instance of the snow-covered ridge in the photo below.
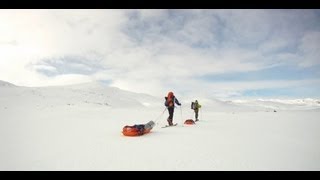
(283, 104)
(98, 94)
(283, 101)
(6, 84)
(87, 94)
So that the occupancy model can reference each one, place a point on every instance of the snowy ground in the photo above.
(79, 128)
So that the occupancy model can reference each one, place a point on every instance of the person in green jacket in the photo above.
(196, 108)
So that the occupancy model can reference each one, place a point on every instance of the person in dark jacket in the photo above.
(196, 108)
(170, 102)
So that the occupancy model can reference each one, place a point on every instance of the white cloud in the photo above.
(68, 79)
(153, 51)
(248, 26)
(310, 47)
(46, 68)
(45, 34)
(273, 45)
(203, 89)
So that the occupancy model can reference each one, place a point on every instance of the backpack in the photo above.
(193, 105)
(169, 100)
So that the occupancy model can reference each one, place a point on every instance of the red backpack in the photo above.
(169, 99)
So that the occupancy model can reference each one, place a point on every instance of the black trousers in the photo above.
(196, 111)
(171, 110)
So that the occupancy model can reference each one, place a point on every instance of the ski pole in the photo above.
(181, 114)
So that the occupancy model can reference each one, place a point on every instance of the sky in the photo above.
(224, 54)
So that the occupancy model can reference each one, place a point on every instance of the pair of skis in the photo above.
(169, 126)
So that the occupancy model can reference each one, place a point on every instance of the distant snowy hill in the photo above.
(266, 105)
(280, 104)
(88, 94)
(6, 84)
(99, 95)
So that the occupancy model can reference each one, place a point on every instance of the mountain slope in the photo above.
(89, 94)
(6, 84)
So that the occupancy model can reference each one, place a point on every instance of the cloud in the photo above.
(154, 51)
(12, 43)
(69, 79)
(238, 88)
(49, 34)
(310, 47)
(67, 65)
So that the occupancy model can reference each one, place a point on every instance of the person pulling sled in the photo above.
(170, 102)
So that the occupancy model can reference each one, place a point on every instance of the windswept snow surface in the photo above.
(79, 128)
